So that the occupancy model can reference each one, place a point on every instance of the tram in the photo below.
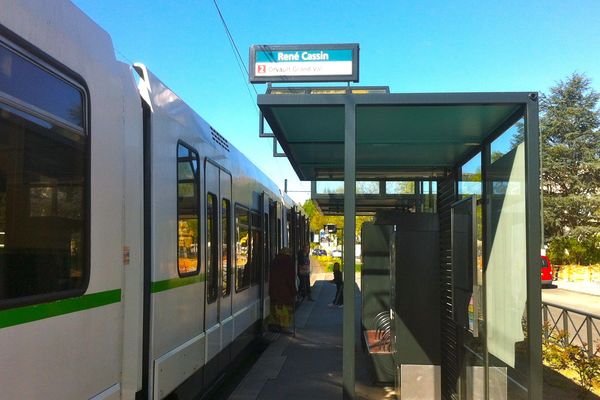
(134, 238)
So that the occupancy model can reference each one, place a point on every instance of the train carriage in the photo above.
(135, 239)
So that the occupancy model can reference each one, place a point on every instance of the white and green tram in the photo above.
(134, 238)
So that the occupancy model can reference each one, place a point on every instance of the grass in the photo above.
(328, 261)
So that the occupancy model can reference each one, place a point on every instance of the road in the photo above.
(584, 303)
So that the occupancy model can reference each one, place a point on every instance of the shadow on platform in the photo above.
(309, 364)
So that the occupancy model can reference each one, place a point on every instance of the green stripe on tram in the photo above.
(167, 284)
(36, 312)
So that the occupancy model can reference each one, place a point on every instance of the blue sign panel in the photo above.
(304, 63)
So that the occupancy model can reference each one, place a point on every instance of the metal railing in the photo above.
(572, 322)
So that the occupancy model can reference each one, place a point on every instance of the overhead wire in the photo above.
(124, 56)
(236, 53)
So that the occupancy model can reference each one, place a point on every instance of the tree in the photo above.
(571, 170)
(318, 220)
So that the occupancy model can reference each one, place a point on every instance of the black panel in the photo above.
(147, 282)
(449, 337)
(416, 293)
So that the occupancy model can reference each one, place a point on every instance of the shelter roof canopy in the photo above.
(419, 134)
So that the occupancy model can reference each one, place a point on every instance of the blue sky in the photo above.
(411, 46)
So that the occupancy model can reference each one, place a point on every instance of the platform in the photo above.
(309, 364)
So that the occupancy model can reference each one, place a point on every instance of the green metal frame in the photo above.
(349, 248)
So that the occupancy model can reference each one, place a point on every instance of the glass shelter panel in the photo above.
(330, 187)
(367, 187)
(399, 187)
(506, 269)
(468, 293)
(470, 182)
(337, 187)
(429, 191)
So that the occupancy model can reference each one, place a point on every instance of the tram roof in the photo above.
(397, 134)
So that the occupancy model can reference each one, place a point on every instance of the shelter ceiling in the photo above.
(391, 138)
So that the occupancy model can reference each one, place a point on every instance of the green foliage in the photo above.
(570, 250)
(318, 220)
(587, 368)
(553, 353)
(570, 128)
(559, 355)
(328, 262)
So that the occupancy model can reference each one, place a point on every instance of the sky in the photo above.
(410, 46)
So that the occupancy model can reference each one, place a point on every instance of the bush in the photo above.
(587, 368)
(559, 355)
(553, 353)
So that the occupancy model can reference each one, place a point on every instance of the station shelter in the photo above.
(452, 180)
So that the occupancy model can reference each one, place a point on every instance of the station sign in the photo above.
(304, 63)
(330, 228)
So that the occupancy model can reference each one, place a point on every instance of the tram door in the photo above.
(274, 229)
(217, 314)
(266, 255)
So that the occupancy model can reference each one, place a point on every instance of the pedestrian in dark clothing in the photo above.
(282, 282)
(282, 291)
(338, 300)
(304, 272)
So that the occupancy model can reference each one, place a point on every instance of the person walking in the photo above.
(304, 272)
(338, 300)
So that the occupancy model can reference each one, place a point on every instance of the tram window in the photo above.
(242, 248)
(31, 84)
(255, 248)
(226, 245)
(212, 249)
(187, 210)
(43, 186)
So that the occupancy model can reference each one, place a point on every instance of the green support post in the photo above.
(534, 237)
(349, 239)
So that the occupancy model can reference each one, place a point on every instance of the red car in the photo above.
(546, 272)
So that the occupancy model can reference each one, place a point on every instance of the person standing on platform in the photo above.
(338, 300)
(282, 290)
(304, 272)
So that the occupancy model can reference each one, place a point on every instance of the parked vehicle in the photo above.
(547, 272)
(336, 253)
(319, 252)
